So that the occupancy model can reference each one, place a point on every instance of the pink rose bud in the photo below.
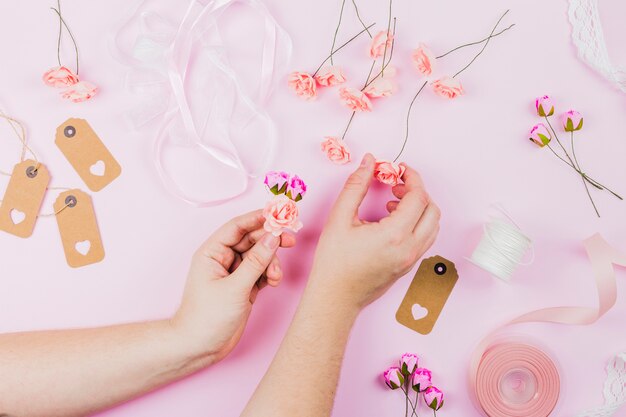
(540, 135)
(572, 121)
(336, 150)
(330, 76)
(380, 41)
(544, 106)
(408, 363)
(281, 213)
(422, 379)
(60, 77)
(303, 84)
(355, 100)
(81, 91)
(393, 377)
(296, 188)
(423, 60)
(448, 87)
(433, 398)
(276, 181)
(388, 172)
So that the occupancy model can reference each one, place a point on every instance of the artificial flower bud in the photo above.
(572, 121)
(393, 377)
(433, 398)
(540, 135)
(422, 379)
(276, 181)
(408, 363)
(296, 188)
(544, 106)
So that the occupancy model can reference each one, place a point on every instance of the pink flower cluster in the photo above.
(305, 85)
(408, 376)
(75, 90)
(571, 121)
(281, 213)
(424, 62)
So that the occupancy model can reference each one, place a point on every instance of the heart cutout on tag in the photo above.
(418, 312)
(98, 168)
(83, 247)
(17, 216)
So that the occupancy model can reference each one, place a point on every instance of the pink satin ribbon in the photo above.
(493, 360)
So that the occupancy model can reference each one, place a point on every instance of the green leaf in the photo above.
(569, 125)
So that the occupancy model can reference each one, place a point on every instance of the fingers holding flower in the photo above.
(281, 214)
(388, 172)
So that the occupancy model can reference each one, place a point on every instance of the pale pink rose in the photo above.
(60, 77)
(296, 188)
(80, 91)
(423, 60)
(544, 106)
(388, 172)
(330, 76)
(355, 99)
(433, 397)
(572, 121)
(336, 150)
(540, 135)
(422, 379)
(377, 47)
(380, 87)
(393, 377)
(448, 87)
(303, 84)
(276, 181)
(281, 213)
(408, 363)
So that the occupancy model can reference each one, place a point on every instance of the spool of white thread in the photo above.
(502, 247)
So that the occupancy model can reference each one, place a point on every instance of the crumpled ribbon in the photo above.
(188, 86)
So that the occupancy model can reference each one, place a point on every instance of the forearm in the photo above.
(77, 372)
(303, 377)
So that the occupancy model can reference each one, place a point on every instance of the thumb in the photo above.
(354, 190)
(257, 260)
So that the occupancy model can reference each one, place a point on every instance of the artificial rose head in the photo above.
(276, 181)
(296, 188)
(408, 363)
(380, 87)
(540, 135)
(81, 91)
(336, 150)
(330, 76)
(544, 106)
(448, 87)
(60, 77)
(381, 41)
(572, 121)
(423, 60)
(281, 213)
(388, 172)
(393, 377)
(433, 398)
(421, 380)
(355, 100)
(303, 84)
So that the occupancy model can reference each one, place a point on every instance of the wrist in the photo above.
(193, 355)
(324, 292)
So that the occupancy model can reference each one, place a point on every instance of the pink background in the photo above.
(471, 152)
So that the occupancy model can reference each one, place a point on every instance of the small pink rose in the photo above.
(60, 77)
(336, 150)
(544, 106)
(540, 135)
(276, 181)
(381, 41)
(388, 172)
(354, 99)
(572, 121)
(330, 76)
(448, 87)
(303, 84)
(421, 380)
(408, 363)
(393, 377)
(380, 87)
(423, 60)
(296, 188)
(433, 397)
(81, 91)
(281, 213)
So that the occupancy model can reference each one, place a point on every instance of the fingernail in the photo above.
(270, 241)
(367, 158)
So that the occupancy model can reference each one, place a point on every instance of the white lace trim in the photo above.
(588, 37)
(614, 389)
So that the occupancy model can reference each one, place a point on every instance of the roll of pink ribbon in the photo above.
(517, 380)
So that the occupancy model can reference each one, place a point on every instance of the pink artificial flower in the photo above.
(540, 135)
(448, 87)
(388, 172)
(303, 84)
(336, 150)
(381, 41)
(421, 380)
(281, 213)
(572, 121)
(354, 99)
(433, 398)
(408, 363)
(423, 60)
(276, 181)
(544, 106)
(330, 76)
(81, 91)
(296, 188)
(60, 77)
(393, 377)
(380, 87)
